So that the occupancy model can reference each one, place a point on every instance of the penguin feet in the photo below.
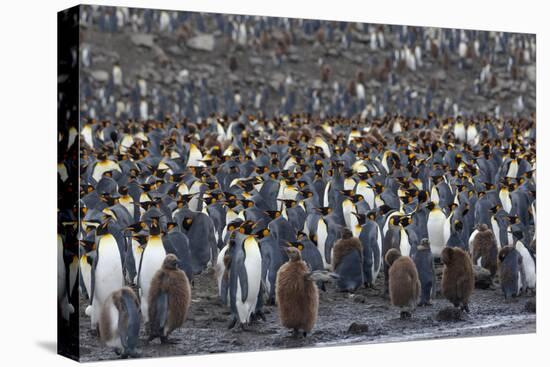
(405, 315)
(165, 340)
(465, 308)
(296, 334)
(258, 315)
(232, 323)
(131, 354)
(425, 303)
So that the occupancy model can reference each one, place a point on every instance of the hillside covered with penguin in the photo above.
(240, 229)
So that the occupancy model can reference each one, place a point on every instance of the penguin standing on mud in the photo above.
(245, 275)
(169, 300)
(297, 296)
(485, 251)
(119, 322)
(457, 283)
(510, 272)
(347, 260)
(404, 285)
(424, 262)
(107, 275)
(152, 259)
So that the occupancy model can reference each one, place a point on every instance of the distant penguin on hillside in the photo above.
(457, 283)
(119, 322)
(404, 285)
(297, 296)
(169, 300)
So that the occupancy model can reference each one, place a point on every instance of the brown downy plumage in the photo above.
(105, 331)
(485, 249)
(296, 294)
(125, 326)
(171, 282)
(458, 279)
(344, 246)
(404, 285)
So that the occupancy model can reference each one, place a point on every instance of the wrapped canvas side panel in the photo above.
(67, 183)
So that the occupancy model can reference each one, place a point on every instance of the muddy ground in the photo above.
(205, 330)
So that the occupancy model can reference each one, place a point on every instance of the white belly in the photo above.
(115, 341)
(253, 265)
(322, 234)
(153, 257)
(404, 245)
(220, 268)
(496, 231)
(108, 274)
(505, 200)
(513, 169)
(528, 266)
(86, 272)
(471, 240)
(436, 224)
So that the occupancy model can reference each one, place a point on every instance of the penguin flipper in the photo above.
(161, 315)
(243, 281)
(92, 285)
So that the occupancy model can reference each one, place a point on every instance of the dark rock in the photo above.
(482, 277)
(294, 58)
(531, 306)
(203, 42)
(450, 314)
(359, 299)
(143, 40)
(357, 328)
(256, 61)
(175, 50)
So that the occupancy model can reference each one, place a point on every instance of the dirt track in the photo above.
(206, 331)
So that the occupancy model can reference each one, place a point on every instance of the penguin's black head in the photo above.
(458, 225)
(170, 262)
(273, 214)
(405, 220)
(247, 227)
(430, 206)
(361, 218)
(154, 227)
(496, 208)
(326, 210)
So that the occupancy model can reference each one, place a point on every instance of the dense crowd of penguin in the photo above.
(279, 207)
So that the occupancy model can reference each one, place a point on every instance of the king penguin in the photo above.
(245, 277)
(152, 258)
(107, 275)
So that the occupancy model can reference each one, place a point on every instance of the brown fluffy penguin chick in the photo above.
(296, 294)
(485, 249)
(458, 279)
(344, 246)
(404, 285)
(169, 299)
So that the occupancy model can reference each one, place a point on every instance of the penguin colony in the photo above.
(275, 209)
